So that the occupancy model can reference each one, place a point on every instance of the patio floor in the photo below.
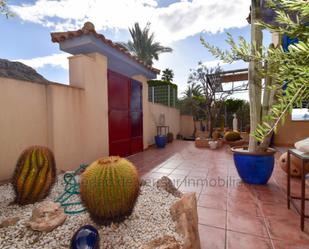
(231, 214)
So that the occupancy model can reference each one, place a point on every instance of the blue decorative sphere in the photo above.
(86, 237)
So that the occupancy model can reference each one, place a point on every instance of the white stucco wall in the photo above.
(70, 120)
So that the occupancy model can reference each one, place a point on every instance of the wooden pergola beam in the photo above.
(234, 77)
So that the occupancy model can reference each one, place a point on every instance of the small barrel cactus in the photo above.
(34, 174)
(232, 136)
(109, 188)
(216, 134)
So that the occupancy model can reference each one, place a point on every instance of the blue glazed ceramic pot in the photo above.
(86, 237)
(160, 141)
(254, 168)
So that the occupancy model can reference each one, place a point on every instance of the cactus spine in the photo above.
(34, 175)
(109, 189)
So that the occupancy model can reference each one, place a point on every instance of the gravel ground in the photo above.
(149, 220)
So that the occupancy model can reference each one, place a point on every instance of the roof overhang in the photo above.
(117, 61)
(234, 75)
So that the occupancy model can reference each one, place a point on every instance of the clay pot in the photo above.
(295, 165)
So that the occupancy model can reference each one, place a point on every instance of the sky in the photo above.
(178, 24)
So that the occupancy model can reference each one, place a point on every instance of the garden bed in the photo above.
(151, 219)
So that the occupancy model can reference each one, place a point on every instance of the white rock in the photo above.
(149, 220)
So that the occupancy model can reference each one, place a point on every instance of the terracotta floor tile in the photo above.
(290, 245)
(195, 181)
(190, 188)
(240, 186)
(210, 201)
(244, 241)
(277, 210)
(186, 166)
(286, 228)
(241, 206)
(171, 165)
(247, 224)
(218, 171)
(270, 187)
(271, 197)
(215, 191)
(163, 171)
(198, 173)
(211, 237)
(212, 217)
(248, 206)
(184, 172)
(241, 196)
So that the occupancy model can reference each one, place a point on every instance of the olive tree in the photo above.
(212, 97)
(4, 10)
(285, 73)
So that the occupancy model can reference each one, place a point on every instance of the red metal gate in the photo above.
(125, 115)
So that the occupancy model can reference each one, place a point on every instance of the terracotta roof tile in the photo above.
(90, 29)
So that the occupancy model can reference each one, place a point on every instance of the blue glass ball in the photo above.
(86, 237)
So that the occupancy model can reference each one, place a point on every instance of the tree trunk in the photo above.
(210, 127)
(210, 121)
(255, 81)
(268, 100)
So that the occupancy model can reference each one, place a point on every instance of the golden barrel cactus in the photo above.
(109, 188)
(34, 174)
(232, 136)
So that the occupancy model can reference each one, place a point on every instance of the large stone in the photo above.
(165, 242)
(9, 222)
(47, 216)
(167, 184)
(184, 213)
(296, 165)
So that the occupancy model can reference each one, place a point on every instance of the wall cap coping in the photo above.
(89, 28)
(50, 83)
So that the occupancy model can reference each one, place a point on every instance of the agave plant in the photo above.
(286, 73)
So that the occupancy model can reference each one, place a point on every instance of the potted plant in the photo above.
(161, 141)
(170, 137)
(286, 84)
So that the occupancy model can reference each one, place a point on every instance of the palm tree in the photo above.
(143, 45)
(167, 75)
(190, 103)
(193, 90)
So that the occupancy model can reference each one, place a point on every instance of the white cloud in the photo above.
(214, 63)
(172, 23)
(56, 60)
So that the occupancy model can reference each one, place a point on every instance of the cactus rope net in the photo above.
(71, 189)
